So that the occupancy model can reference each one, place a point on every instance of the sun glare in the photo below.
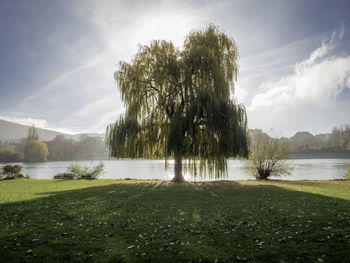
(172, 27)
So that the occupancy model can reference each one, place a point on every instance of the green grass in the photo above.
(117, 221)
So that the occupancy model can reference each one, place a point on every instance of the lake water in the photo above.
(304, 169)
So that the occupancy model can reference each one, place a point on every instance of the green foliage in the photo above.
(8, 154)
(89, 148)
(178, 104)
(64, 149)
(336, 141)
(11, 171)
(340, 137)
(4, 147)
(10, 157)
(86, 172)
(35, 151)
(268, 158)
(61, 149)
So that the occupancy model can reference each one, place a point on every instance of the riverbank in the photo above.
(133, 220)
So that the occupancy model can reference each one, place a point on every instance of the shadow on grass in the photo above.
(166, 222)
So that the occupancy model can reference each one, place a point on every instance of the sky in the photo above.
(58, 58)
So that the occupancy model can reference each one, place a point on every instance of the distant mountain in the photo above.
(11, 131)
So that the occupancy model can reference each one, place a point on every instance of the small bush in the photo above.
(11, 171)
(268, 159)
(67, 176)
(86, 172)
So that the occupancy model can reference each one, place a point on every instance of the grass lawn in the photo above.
(117, 221)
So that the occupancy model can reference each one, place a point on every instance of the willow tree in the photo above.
(179, 104)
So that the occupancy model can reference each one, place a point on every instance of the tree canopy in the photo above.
(7, 153)
(179, 104)
(35, 151)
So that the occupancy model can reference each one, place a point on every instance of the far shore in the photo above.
(315, 154)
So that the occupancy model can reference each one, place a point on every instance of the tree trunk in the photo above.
(178, 177)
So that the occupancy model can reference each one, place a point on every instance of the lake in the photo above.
(304, 169)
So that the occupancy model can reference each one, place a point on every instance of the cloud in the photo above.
(103, 111)
(273, 64)
(75, 88)
(84, 97)
(317, 88)
(39, 123)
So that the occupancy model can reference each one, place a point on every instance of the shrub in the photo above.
(67, 176)
(86, 172)
(11, 171)
(268, 159)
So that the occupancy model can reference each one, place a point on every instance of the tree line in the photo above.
(31, 149)
(337, 140)
(65, 149)
(340, 137)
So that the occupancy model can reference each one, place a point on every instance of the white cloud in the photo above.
(272, 65)
(311, 82)
(307, 96)
(39, 123)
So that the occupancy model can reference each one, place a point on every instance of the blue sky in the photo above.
(58, 58)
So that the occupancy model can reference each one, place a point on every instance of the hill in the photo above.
(301, 139)
(11, 131)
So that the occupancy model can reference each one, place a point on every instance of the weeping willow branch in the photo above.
(178, 104)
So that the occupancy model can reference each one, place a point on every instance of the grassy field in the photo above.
(117, 221)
